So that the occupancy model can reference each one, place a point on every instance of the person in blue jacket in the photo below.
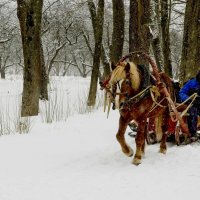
(191, 87)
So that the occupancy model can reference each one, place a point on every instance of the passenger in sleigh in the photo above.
(190, 87)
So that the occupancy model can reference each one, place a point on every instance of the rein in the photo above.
(153, 90)
(192, 98)
(135, 99)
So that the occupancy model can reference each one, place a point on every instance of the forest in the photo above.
(63, 63)
(83, 37)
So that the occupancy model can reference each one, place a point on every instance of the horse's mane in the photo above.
(119, 73)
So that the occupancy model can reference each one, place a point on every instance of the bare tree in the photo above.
(8, 38)
(139, 32)
(104, 56)
(190, 60)
(155, 31)
(165, 22)
(98, 34)
(176, 47)
(118, 30)
(44, 77)
(30, 14)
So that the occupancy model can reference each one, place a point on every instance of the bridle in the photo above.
(112, 89)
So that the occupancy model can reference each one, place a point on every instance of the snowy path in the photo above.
(81, 160)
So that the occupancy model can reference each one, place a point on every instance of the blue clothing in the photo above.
(189, 88)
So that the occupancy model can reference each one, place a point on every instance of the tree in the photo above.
(190, 59)
(165, 22)
(98, 34)
(8, 38)
(44, 77)
(5, 57)
(139, 33)
(30, 14)
(104, 57)
(118, 31)
(155, 31)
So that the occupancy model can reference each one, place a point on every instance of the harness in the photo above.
(138, 97)
(164, 91)
(150, 90)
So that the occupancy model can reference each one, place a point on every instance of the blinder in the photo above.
(120, 93)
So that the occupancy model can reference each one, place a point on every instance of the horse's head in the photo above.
(126, 91)
(123, 82)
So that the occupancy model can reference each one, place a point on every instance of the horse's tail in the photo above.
(158, 127)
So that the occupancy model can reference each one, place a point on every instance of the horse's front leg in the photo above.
(121, 139)
(140, 142)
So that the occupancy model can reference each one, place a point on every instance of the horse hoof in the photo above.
(136, 161)
(129, 153)
(163, 151)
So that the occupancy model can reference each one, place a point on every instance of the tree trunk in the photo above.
(118, 31)
(44, 78)
(3, 74)
(190, 59)
(1, 66)
(2, 69)
(139, 33)
(29, 14)
(165, 21)
(105, 61)
(156, 41)
(97, 53)
(104, 57)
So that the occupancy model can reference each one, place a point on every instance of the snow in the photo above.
(80, 159)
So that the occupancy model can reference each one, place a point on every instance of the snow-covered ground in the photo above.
(80, 159)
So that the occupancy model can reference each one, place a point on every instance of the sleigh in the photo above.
(174, 132)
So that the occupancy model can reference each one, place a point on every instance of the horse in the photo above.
(124, 89)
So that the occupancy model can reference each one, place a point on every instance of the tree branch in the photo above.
(54, 56)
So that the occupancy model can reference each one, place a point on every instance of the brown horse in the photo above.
(124, 89)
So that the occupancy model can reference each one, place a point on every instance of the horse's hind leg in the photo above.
(163, 146)
(121, 139)
(161, 131)
(140, 143)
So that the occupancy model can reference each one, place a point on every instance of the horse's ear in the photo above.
(113, 66)
(127, 67)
